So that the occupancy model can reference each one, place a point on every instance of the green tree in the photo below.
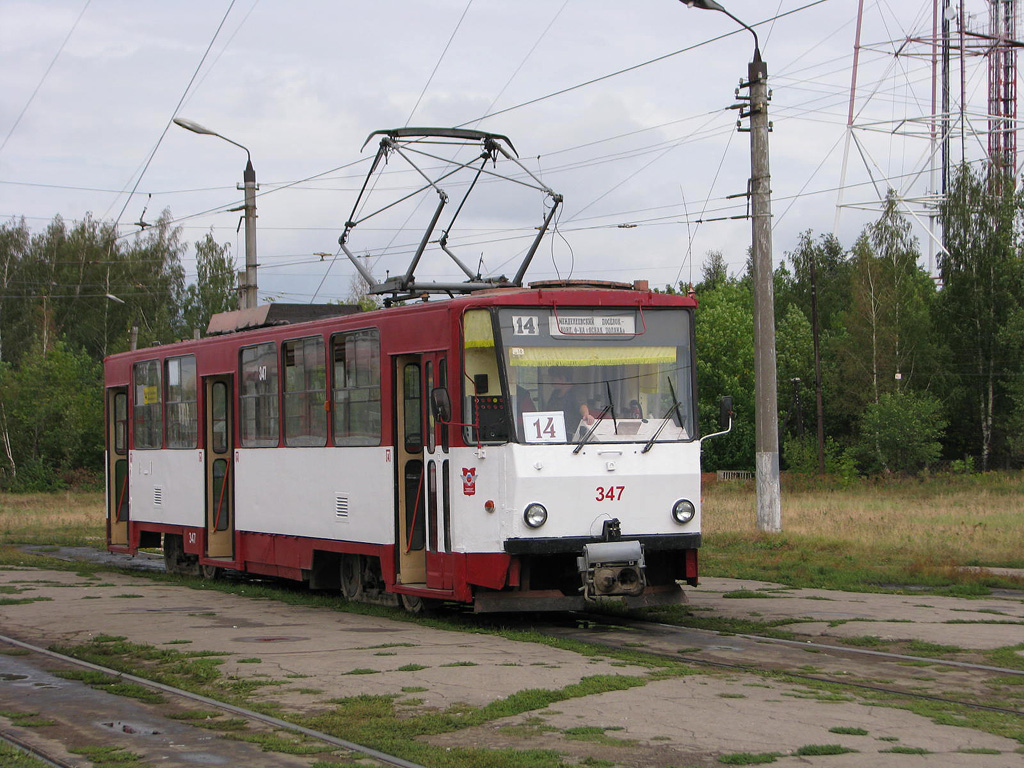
(888, 344)
(214, 290)
(982, 276)
(725, 366)
(902, 432)
(52, 416)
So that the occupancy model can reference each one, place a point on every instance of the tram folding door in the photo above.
(117, 466)
(437, 483)
(411, 516)
(220, 475)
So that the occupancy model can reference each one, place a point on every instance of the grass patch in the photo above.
(26, 719)
(108, 757)
(111, 684)
(597, 735)
(847, 731)
(749, 758)
(812, 750)
(11, 757)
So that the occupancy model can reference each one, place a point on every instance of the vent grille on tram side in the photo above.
(341, 507)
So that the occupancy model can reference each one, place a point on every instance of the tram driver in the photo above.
(568, 398)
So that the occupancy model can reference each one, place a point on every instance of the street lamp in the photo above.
(247, 291)
(766, 409)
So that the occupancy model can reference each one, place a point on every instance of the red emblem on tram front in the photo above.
(469, 481)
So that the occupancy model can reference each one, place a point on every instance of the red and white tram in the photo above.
(514, 449)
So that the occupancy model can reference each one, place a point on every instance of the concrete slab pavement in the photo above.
(318, 655)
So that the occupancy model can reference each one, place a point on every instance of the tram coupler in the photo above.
(610, 568)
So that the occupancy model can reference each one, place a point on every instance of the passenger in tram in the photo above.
(568, 398)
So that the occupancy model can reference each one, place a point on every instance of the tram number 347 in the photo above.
(611, 493)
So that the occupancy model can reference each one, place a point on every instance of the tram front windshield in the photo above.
(598, 375)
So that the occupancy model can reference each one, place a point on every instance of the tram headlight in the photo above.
(535, 515)
(683, 511)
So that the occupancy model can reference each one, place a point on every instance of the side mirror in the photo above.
(441, 405)
(725, 416)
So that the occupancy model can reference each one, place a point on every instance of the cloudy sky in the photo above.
(621, 107)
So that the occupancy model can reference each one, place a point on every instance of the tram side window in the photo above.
(305, 392)
(182, 411)
(258, 404)
(484, 401)
(356, 391)
(147, 415)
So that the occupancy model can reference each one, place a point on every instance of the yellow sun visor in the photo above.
(531, 357)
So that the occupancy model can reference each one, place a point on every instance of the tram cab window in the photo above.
(258, 401)
(356, 393)
(181, 406)
(608, 374)
(147, 413)
(484, 402)
(305, 392)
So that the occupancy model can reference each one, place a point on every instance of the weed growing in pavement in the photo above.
(848, 731)
(109, 757)
(11, 757)
(898, 750)
(750, 758)
(285, 742)
(111, 684)
(23, 600)
(26, 719)
(812, 750)
(598, 735)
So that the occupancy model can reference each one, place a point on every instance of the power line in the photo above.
(45, 75)
(174, 112)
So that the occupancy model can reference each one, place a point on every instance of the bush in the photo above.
(801, 457)
(902, 432)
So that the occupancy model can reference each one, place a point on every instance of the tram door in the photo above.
(220, 482)
(437, 485)
(117, 466)
(410, 406)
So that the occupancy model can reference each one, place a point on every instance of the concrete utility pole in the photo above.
(248, 294)
(766, 408)
(766, 457)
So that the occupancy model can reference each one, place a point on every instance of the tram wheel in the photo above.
(210, 572)
(413, 603)
(352, 577)
(173, 552)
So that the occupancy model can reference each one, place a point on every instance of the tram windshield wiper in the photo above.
(664, 419)
(611, 407)
(583, 440)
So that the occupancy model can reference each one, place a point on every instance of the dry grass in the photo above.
(68, 518)
(886, 530)
(859, 536)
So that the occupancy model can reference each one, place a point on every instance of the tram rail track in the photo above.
(248, 714)
(834, 651)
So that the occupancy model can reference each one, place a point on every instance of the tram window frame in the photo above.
(481, 364)
(259, 406)
(304, 388)
(181, 402)
(356, 389)
(147, 410)
(120, 415)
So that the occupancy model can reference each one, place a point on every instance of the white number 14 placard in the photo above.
(544, 427)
